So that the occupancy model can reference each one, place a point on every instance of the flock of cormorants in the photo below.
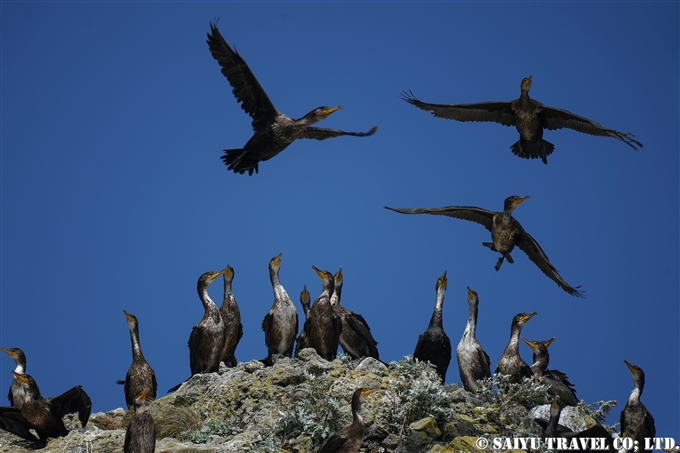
(327, 323)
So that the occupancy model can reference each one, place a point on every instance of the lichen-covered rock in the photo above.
(296, 404)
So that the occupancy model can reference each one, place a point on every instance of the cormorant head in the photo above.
(472, 297)
(325, 276)
(131, 320)
(638, 374)
(512, 202)
(206, 279)
(228, 274)
(24, 379)
(141, 396)
(338, 277)
(522, 318)
(526, 84)
(305, 299)
(275, 263)
(360, 395)
(321, 113)
(15, 353)
(441, 282)
(556, 406)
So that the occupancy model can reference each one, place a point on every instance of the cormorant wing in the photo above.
(74, 400)
(321, 133)
(360, 326)
(559, 384)
(554, 118)
(12, 421)
(266, 326)
(471, 213)
(246, 88)
(195, 340)
(495, 112)
(536, 254)
(334, 444)
(485, 359)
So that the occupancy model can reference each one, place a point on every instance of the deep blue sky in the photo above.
(115, 115)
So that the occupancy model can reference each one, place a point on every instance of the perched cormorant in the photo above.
(506, 233)
(355, 337)
(473, 363)
(530, 117)
(558, 382)
(140, 436)
(434, 345)
(510, 362)
(350, 438)
(16, 394)
(231, 317)
(140, 375)
(302, 342)
(280, 324)
(323, 327)
(551, 428)
(274, 131)
(44, 415)
(636, 421)
(206, 341)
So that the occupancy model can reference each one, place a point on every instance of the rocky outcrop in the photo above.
(294, 405)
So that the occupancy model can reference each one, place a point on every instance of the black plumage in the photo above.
(16, 393)
(355, 337)
(506, 233)
(273, 131)
(140, 436)
(473, 362)
(557, 382)
(323, 327)
(350, 438)
(305, 301)
(44, 415)
(636, 421)
(280, 324)
(231, 317)
(511, 362)
(434, 345)
(140, 375)
(530, 117)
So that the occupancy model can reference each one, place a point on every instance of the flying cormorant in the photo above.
(510, 362)
(350, 438)
(140, 436)
(274, 131)
(206, 341)
(231, 317)
(558, 382)
(302, 342)
(473, 363)
(16, 394)
(280, 324)
(530, 117)
(506, 233)
(140, 375)
(44, 415)
(434, 345)
(323, 327)
(355, 337)
(636, 421)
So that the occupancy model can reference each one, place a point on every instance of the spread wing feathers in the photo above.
(471, 213)
(320, 133)
(559, 384)
(74, 400)
(246, 88)
(12, 421)
(496, 112)
(528, 245)
(554, 118)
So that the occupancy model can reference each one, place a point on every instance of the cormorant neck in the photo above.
(436, 319)
(471, 327)
(540, 364)
(551, 429)
(635, 395)
(208, 303)
(514, 337)
(337, 293)
(136, 347)
(21, 368)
